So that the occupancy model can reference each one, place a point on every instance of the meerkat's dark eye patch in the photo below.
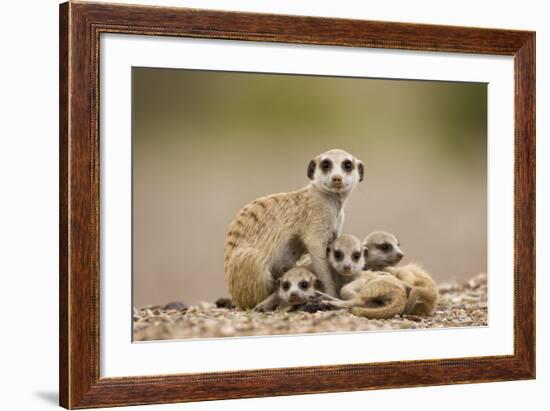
(285, 285)
(304, 285)
(356, 256)
(326, 165)
(347, 165)
(385, 247)
(338, 255)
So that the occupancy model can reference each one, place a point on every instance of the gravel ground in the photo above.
(462, 304)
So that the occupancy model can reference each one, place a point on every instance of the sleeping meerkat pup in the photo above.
(374, 294)
(271, 233)
(384, 254)
(424, 294)
(370, 294)
(296, 287)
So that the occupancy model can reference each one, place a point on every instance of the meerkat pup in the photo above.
(271, 233)
(346, 258)
(383, 250)
(384, 254)
(424, 295)
(371, 294)
(345, 255)
(296, 287)
(374, 294)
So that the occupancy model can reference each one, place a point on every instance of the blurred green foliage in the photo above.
(450, 117)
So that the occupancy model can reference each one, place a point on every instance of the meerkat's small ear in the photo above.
(311, 169)
(319, 285)
(361, 169)
(277, 284)
(328, 251)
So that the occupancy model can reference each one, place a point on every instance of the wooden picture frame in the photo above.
(80, 27)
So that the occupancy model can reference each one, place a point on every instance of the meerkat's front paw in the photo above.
(264, 307)
(329, 304)
(261, 308)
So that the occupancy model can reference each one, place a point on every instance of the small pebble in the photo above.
(224, 303)
(176, 305)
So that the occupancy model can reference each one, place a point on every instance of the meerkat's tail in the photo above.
(378, 313)
(380, 302)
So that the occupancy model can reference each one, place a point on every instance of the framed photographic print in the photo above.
(259, 205)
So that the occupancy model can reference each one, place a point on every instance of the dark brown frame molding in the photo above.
(81, 24)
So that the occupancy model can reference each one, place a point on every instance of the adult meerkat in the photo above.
(384, 254)
(295, 287)
(371, 294)
(271, 233)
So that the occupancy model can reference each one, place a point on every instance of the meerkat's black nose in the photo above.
(347, 267)
(337, 179)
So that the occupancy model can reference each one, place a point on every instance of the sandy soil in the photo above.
(462, 304)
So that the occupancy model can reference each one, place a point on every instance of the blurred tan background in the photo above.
(207, 143)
